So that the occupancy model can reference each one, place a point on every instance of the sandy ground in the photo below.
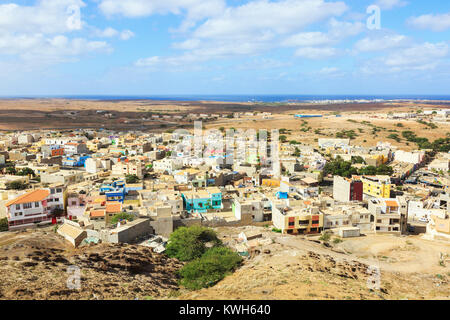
(297, 269)
(35, 114)
(329, 126)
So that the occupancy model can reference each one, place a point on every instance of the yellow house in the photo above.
(92, 145)
(273, 183)
(377, 186)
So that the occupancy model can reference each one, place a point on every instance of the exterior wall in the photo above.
(299, 224)
(131, 231)
(376, 189)
(344, 190)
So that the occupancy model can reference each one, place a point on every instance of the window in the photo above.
(36, 204)
(52, 191)
(17, 206)
(315, 222)
(58, 190)
(27, 205)
(291, 224)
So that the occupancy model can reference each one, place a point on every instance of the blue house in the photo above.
(77, 161)
(118, 190)
(203, 200)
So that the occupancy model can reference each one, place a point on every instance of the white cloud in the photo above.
(417, 57)
(316, 53)
(126, 34)
(385, 42)
(258, 17)
(390, 4)
(47, 16)
(253, 28)
(112, 33)
(305, 39)
(35, 34)
(434, 22)
(194, 10)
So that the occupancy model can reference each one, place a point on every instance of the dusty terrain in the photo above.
(328, 126)
(297, 268)
(34, 265)
(36, 114)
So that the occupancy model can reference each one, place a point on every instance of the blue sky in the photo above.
(163, 47)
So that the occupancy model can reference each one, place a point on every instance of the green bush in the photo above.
(131, 178)
(276, 230)
(3, 224)
(212, 267)
(325, 237)
(122, 216)
(16, 185)
(189, 243)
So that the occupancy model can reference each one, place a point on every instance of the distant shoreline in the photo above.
(246, 98)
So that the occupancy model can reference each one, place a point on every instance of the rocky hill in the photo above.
(34, 265)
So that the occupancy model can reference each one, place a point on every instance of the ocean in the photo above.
(248, 98)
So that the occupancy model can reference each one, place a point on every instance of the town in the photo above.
(96, 186)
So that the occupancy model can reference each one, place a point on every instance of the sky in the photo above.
(218, 47)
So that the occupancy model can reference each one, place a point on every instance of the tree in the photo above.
(188, 243)
(368, 171)
(10, 170)
(16, 185)
(339, 167)
(131, 178)
(4, 225)
(122, 216)
(212, 267)
(57, 212)
(283, 138)
(357, 159)
(26, 172)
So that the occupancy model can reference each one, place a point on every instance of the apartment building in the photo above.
(34, 207)
(167, 165)
(388, 215)
(203, 200)
(297, 219)
(128, 168)
(72, 148)
(252, 209)
(376, 186)
(346, 190)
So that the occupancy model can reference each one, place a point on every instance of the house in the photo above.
(297, 219)
(76, 161)
(128, 168)
(167, 165)
(94, 165)
(72, 148)
(346, 190)
(389, 215)
(376, 186)
(63, 177)
(34, 207)
(333, 143)
(52, 150)
(252, 209)
(72, 233)
(203, 200)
